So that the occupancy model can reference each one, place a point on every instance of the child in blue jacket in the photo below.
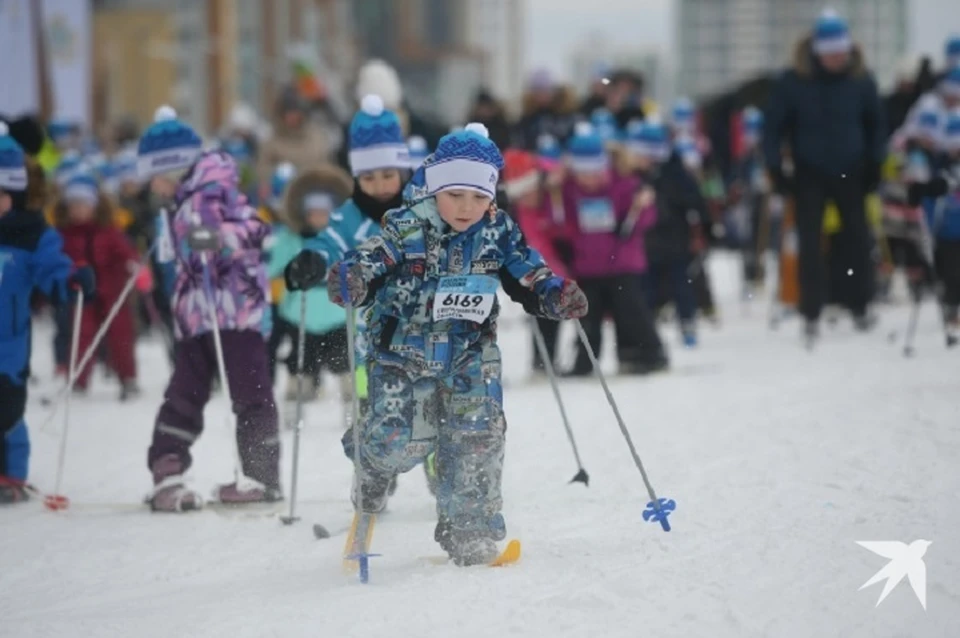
(428, 288)
(31, 257)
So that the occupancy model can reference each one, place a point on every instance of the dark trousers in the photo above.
(180, 420)
(671, 279)
(327, 350)
(947, 258)
(812, 191)
(277, 335)
(14, 442)
(620, 296)
(550, 330)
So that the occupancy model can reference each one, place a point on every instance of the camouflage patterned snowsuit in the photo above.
(434, 382)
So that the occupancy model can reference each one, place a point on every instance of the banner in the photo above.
(67, 33)
(19, 75)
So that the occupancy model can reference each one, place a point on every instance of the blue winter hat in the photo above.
(831, 34)
(686, 147)
(952, 50)
(120, 169)
(951, 131)
(13, 162)
(548, 148)
(283, 174)
(70, 164)
(59, 128)
(376, 139)
(467, 159)
(417, 151)
(950, 84)
(605, 124)
(586, 150)
(683, 114)
(82, 187)
(167, 145)
(648, 138)
(752, 119)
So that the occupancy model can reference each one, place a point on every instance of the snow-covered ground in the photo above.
(779, 461)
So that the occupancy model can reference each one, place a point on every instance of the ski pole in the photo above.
(97, 338)
(581, 475)
(912, 325)
(301, 355)
(355, 400)
(658, 509)
(57, 501)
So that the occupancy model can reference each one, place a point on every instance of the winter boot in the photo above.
(253, 492)
(13, 491)
(129, 389)
(169, 492)
(309, 389)
(468, 548)
(951, 325)
(375, 490)
(811, 333)
(643, 368)
(688, 330)
(864, 322)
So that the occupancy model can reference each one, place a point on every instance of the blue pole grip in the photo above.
(658, 511)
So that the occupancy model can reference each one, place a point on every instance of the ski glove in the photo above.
(356, 286)
(84, 280)
(305, 271)
(565, 302)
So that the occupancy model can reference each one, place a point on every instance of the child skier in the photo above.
(85, 219)
(232, 286)
(678, 208)
(309, 202)
(751, 189)
(607, 215)
(430, 283)
(380, 164)
(31, 257)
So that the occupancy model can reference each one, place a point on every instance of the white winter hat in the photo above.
(376, 77)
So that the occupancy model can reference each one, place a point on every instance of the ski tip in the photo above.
(320, 532)
(56, 502)
(581, 477)
(509, 556)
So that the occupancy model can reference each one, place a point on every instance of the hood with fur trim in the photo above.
(803, 62)
(328, 178)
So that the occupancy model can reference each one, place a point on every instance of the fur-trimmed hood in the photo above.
(803, 58)
(328, 178)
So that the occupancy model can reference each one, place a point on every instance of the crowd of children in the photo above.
(408, 251)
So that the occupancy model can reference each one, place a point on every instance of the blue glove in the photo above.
(565, 302)
(84, 280)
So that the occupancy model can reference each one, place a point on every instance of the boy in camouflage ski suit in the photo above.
(430, 282)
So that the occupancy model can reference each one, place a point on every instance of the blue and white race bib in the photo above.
(467, 298)
(595, 215)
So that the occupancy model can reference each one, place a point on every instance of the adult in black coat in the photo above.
(826, 109)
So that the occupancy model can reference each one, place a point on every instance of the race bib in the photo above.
(468, 298)
(595, 215)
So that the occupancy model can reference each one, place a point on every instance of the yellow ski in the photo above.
(358, 540)
(509, 556)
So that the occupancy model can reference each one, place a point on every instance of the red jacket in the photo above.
(544, 227)
(107, 250)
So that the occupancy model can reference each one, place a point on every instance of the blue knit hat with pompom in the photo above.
(376, 139)
(13, 162)
(467, 159)
(586, 150)
(82, 187)
(831, 34)
(168, 145)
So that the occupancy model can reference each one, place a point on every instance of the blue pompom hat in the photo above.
(417, 151)
(376, 139)
(952, 50)
(548, 148)
(13, 162)
(648, 138)
(586, 151)
(831, 34)
(951, 131)
(605, 123)
(120, 169)
(82, 187)
(467, 159)
(167, 145)
(683, 115)
(70, 164)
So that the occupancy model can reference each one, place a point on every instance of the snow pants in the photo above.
(459, 414)
(14, 440)
(180, 420)
(120, 339)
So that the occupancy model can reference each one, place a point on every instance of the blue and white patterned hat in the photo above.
(168, 145)
(586, 151)
(376, 139)
(467, 159)
(950, 140)
(548, 148)
(950, 84)
(683, 115)
(13, 162)
(82, 187)
(121, 169)
(686, 147)
(605, 123)
(648, 138)
(952, 50)
(70, 164)
(831, 34)
(417, 151)
(283, 174)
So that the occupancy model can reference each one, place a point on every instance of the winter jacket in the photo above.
(679, 205)
(209, 196)
(420, 274)
(291, 236)
(546, 231)
(594, 221)
(107, 250)
(348, 229)
(833, 123)
(31, 257)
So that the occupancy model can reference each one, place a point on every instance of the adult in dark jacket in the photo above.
(827, 110)
(545, 112)
(487, 110)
